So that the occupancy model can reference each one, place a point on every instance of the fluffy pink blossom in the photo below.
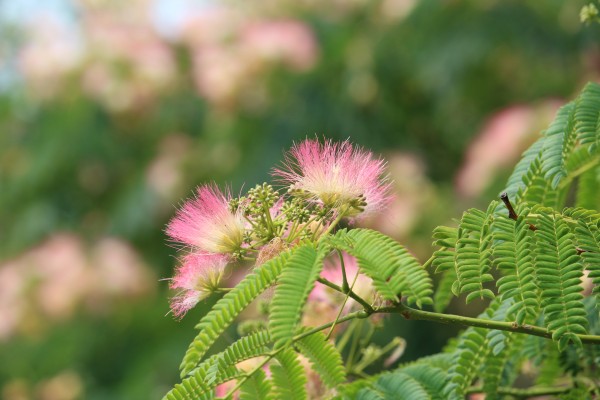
(207, 224)
(198, 277)
(337, 174)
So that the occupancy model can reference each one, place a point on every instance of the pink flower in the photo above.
(207, 223)
(199, 276)
(337, 175)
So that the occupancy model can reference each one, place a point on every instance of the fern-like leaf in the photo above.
(559, 273)
(473, 254)
(469, 356)
(257, 387)
(503, 345)
(289, 379)
(227, 308)
(324, 357)
(432, 379)
(536, 188)
(391, 267)
(369, 394)
(516, 181)
(588, 188)
(400, 386)
(560, 139)
(220, 367)
(443, 294)
(588, 240)
(295, 283)
(588, 116)
(514, 256)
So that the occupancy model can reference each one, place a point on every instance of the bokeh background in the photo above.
(112, 112)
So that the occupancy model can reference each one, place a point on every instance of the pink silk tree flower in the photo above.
(207, 224)
(198, 277)
(337, 175)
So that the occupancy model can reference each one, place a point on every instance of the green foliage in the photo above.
(424, 379)
(393, 269)
(515, 258)
(289, 379)
(528, 262)
(559, 273)
(257, 387)
(324, 357)
(295, 283)
(227, 308)
(472, 254)
(560, 139)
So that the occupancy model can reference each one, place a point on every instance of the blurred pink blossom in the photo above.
(500, 143)
(232, 52)
(412, 192)
(127, 63)
(50, 52)
(164, 173)
(287, 41)
(61, 275)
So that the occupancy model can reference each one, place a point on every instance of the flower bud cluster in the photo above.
(323, 183)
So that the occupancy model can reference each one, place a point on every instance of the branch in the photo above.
(412, 313)
(525, 393)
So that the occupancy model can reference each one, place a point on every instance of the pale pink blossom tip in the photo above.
(207, 224)
(336, 174)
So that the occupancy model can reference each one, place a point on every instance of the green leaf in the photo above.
(514, 257)
(443, 294)
(227, 308)
(324, 357)
(392, 268)
(296, 282)
(257, 387)
(559, 273)
(289, 379)
(473, 253)
(560, 140)
(220, 367)
(588, 113)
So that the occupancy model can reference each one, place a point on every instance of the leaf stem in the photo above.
(350, 293)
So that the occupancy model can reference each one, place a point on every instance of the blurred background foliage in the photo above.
(112, 112)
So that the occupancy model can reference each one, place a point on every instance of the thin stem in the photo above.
(350, 293)
(344, 278)
(354, 346)
(342, 306)
(343, 341)
(428, 262)
(341, 214)
(269, 220)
